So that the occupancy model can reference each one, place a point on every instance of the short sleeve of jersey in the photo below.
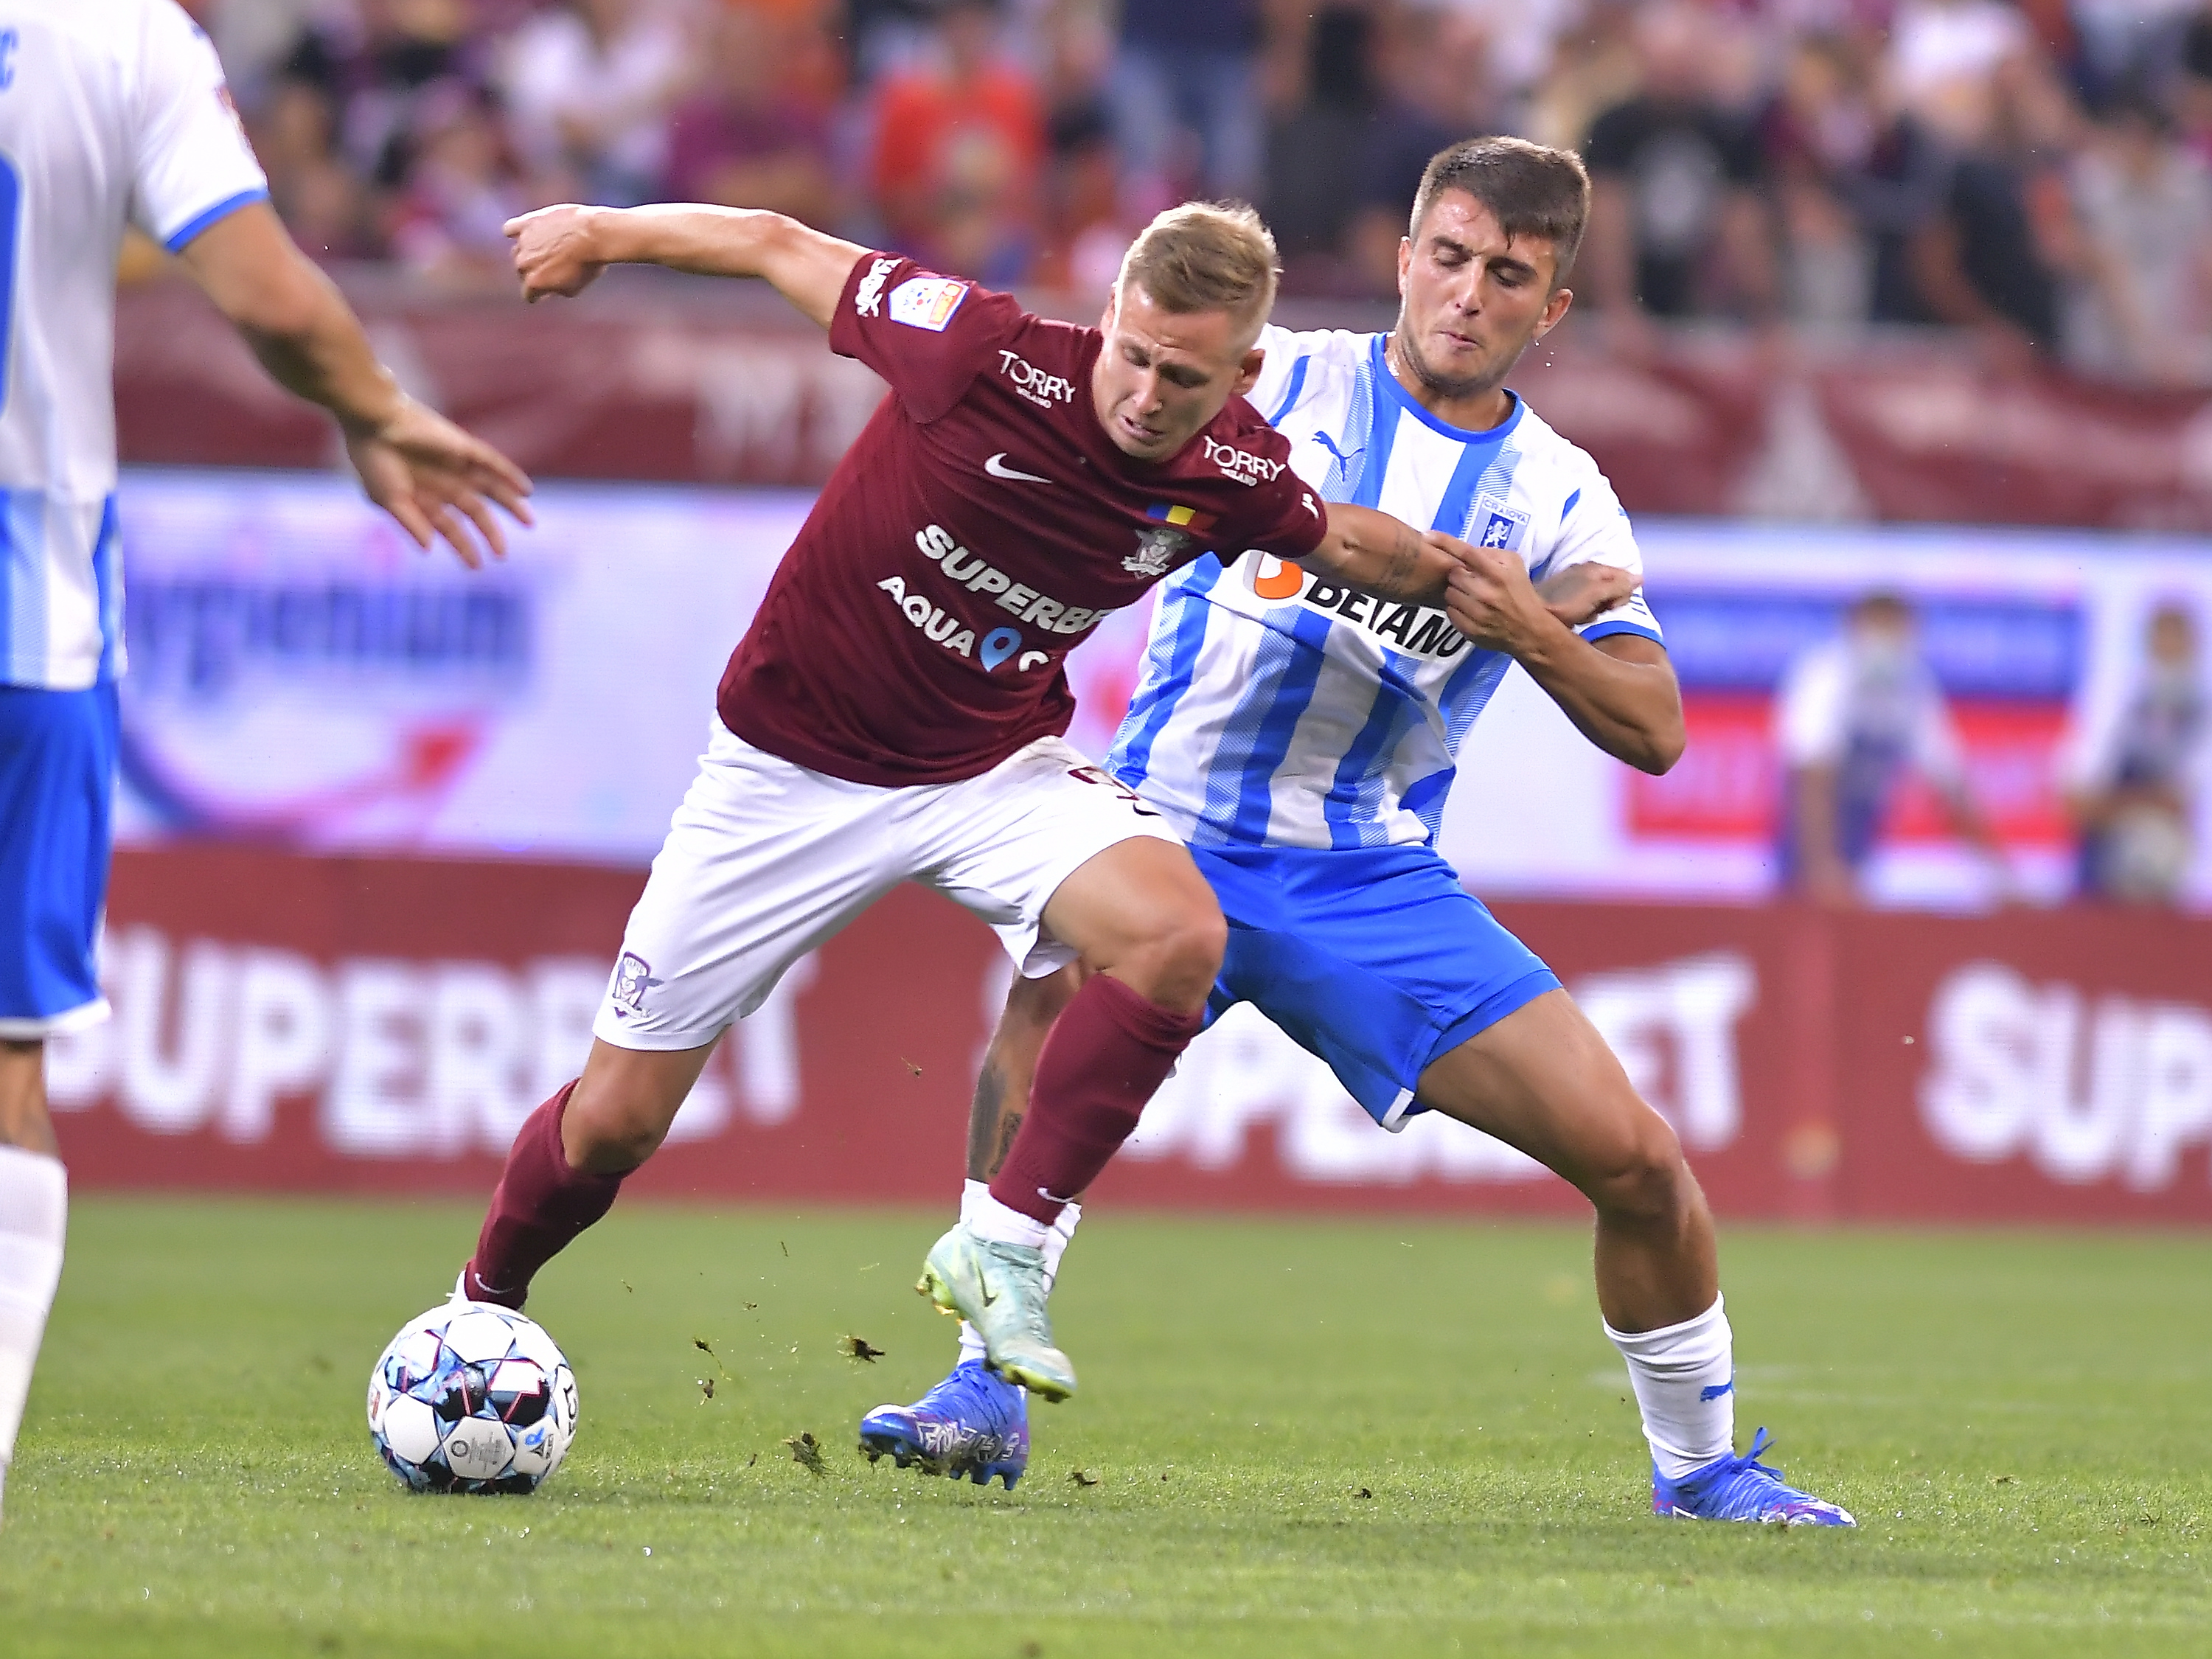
(927, 336)
(1284, 516)
(1593, 529)
(192, 165)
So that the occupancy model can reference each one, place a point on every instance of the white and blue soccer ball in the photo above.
(472, 1397)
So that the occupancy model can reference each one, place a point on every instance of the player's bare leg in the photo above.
(1543, 1080)
(569, 1158)
(1144, 920)
(34, 1217)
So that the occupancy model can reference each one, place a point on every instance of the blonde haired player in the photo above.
(894, 713)
(114, 113)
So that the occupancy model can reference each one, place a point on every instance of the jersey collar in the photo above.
(1388, 384)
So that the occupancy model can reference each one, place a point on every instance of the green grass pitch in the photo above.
(1343, 1438)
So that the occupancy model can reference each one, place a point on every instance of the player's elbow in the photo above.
(1663, 747)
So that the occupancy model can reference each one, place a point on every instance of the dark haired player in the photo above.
(1302, 738)
(894, 713)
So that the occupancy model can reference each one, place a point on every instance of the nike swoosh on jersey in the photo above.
(997, 467)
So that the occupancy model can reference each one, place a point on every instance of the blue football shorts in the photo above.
(57, 793)
(1374, 958)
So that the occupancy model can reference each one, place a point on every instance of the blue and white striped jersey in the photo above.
(1275, 709)
(110, 112)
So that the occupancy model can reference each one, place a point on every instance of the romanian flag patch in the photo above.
(1185, 517)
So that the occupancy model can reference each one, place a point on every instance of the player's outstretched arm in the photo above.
(562, 250)
(1619, 691)
(1377, 554)
(415, 464)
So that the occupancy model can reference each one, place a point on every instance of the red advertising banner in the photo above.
(296, 1023)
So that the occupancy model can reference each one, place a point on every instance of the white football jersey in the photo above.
(110, 112)
(1277, 709)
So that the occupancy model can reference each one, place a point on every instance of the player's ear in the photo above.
(1405, 263)
(1106, 317)
(1247, 371)
(1554, 309)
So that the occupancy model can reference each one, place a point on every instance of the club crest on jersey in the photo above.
(1493, 524)
(1160, 546)
(927, 301)
(633, 979)
(868, 298)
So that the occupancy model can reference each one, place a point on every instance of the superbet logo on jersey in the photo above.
(995, 645)
(1033, 383)
(1242, 464)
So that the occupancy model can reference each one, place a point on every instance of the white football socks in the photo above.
(34, 1217)
(1685, 1380)
(973, 1197)
(999, 1223)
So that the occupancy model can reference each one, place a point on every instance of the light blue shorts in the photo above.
(1374, 958)
(56, 790)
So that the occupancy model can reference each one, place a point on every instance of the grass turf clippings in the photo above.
(1358, 1439)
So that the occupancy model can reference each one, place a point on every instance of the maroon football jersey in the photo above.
(974, 533)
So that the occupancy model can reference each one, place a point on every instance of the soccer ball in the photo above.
(471, 1397)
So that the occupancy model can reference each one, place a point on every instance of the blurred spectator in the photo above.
(959, 149)
(375, 62)
(590, 84)
(1316, 151)
(1086, 234)
(1987, 257)
(2192, 84)
(1185, 102)
(318, 195)
(1677, 226)
(1852, 716)
(2131, 779)
(463, 185)
(1819, 134)
(2145, 210)
(1437, 89)
(746, 138)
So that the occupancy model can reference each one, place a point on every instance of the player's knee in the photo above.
(606, 1133)
(1183, 954)
(1644, 1179)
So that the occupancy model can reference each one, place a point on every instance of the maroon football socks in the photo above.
(541, 1204)
(1108, 1052)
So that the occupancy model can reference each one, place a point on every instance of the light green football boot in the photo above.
(999, 1289)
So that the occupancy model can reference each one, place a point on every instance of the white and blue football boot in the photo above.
(1741, 1488)
(973, 1423)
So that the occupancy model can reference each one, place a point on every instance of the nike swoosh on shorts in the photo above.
(997, 467)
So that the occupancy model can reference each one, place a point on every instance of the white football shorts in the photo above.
(766, 859)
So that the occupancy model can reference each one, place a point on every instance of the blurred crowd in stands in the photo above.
(2039, 171)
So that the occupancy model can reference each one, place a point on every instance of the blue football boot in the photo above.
(973, 1423)
(1735, 1488)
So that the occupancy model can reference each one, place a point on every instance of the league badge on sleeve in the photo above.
(927, 301)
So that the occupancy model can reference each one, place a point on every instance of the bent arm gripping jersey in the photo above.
(1277, 709)
(110, 112)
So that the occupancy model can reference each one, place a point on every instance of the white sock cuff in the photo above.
(972, 1193)
(1692, 1341)
(33, 1223)
(1001, 1223)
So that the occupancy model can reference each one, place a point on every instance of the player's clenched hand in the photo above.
(429, 474)
(1582, 593)
(554, 250)
(1491, 600)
